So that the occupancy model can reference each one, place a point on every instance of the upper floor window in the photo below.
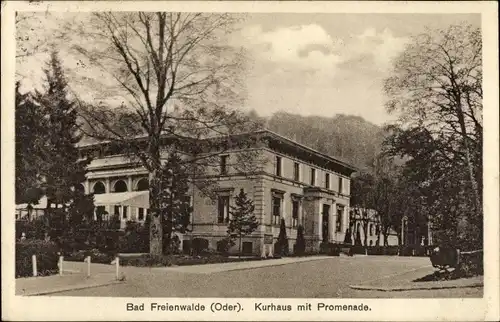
(327, 180)
(313, 177)
(340, 185)
(223, 209)
(223, 164)
(277, 171)
(296, 171)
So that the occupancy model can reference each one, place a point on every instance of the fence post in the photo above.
(117, 265)
(61, 260)
(88, 266)
(33, 261)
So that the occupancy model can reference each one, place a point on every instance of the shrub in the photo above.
(136, 238)
(328, 248)
(224, 245)
(96, 256)
(147, 260)
(281, 247)
(300, 244)
(46, 255)
(34, 229)
(471, 263)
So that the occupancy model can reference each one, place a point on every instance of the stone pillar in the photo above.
(319, 215)
(87, 186)
(108, 185)
(333, 221)
(129, 184)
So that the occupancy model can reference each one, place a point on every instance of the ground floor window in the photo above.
(125, 214)
(247, 248)
(140, 214)
(223, 209)
(295, 213)
(340, 215)
(276, 210)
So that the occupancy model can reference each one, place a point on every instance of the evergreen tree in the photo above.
(64, 170)
(243, 221)
(175, 206)
(30, 136)
(300, 244)
(282, 243)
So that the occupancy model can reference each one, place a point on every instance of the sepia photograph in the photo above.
(258, 155)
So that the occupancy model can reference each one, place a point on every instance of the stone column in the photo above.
(87, 186)
(319, 215)
(332, 221)
(129, 184)
(108, 185)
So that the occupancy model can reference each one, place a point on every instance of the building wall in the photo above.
(259, 184)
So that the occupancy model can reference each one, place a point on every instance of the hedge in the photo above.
(179, 260)
(46, 255)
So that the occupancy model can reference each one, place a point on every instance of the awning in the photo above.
(42, 204)
(134, 198)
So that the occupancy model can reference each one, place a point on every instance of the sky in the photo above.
(308, 64)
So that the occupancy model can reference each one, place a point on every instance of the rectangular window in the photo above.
(124, 214)
(340, 216)
(140, 214)
(296, 171)
(295, 213)
(223, 209)
(340, 185)
(313, 176)
(278, 167)
(327, 180)
(276, 210)
(117, 211)
(223, 164)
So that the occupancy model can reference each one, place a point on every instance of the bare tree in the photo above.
(437, 85)
(178, 79)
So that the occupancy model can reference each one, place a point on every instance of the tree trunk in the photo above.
(472, 177)
(156, 229)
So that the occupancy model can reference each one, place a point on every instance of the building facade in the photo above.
(287, 180)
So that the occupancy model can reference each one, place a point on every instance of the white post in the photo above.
(33, 261)
(61, 260)
(88, 266)
(117, 265)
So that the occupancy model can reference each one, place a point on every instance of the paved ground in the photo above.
(322, 278)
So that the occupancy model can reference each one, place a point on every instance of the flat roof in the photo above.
(263, 132)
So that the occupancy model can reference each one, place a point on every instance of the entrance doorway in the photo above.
(325, 220)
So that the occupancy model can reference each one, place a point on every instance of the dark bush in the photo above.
(299, 247)
(224, 245)
(178, 260)
(330, 249)
(34, 229)
(96, 256)
(199, 245)
(136, 238)
(46, 254)
(471, 263)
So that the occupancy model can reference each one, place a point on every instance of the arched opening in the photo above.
(99, 188)
(143, 185)
(120, 186)
(80, 188)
